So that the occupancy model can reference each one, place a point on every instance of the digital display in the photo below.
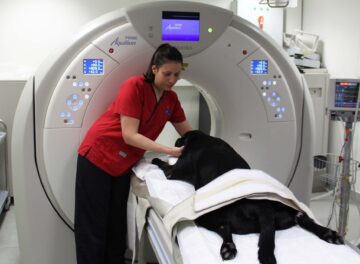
(180, 26)
(346, 94)
(93, 66)
(259, 67)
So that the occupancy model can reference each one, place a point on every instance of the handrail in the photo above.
(2, 122)
(274, 3)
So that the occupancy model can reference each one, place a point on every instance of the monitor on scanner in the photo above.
(180, 26)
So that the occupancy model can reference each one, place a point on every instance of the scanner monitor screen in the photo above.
(180, 26)
(346, 94)
(93, 66)
(259, 67)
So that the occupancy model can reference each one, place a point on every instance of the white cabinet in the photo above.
(318, 86)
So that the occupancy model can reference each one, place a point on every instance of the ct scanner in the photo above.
(258, 101)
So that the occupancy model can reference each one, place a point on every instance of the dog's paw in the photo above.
(332, 237)
(301, 218)
(228, 251)
(165, 167)
(268, 258)
(266, 255)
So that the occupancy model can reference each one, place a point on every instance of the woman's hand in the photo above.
(132, 137)
(175, 151)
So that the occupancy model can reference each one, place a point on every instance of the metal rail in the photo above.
(4, 194)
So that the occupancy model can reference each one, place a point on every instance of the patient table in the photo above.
(153, 200)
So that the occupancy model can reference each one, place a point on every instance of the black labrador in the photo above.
(203, 159)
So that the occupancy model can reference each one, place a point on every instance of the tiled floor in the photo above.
(321, 209)
(9, 251)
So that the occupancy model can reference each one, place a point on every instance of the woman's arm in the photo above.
(182, 127)
(130, 127)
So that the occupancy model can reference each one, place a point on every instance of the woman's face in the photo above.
(166, 75)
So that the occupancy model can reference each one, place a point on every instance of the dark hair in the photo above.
(163, 54)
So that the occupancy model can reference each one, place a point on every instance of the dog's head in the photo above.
(189, 137)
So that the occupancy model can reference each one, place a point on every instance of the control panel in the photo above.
(76, 88)
(271, 85)
(89, 70)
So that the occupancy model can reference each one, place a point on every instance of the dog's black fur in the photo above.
(203, 159)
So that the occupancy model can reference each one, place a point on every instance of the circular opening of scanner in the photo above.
(200, 108)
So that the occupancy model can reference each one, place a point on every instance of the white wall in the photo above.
(293, 17)
(272, 18)
(31, 29)
(337, 23)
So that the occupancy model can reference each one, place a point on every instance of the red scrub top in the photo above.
(104, 145)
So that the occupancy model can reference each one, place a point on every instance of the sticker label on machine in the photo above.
(122, 42)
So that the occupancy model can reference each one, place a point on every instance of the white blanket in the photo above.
(198, 245)
(293, 246)
(173, 192)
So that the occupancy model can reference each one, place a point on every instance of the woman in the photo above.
(116, 141)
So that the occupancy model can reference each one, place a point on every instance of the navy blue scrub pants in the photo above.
(100, 214)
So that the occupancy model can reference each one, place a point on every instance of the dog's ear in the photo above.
(179, 142)
(183, 140)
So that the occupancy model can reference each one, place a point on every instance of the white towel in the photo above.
(173, 191)
(145, 169)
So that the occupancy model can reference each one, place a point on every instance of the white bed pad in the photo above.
(198, 245)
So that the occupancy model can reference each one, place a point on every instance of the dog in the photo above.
(205, 158)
